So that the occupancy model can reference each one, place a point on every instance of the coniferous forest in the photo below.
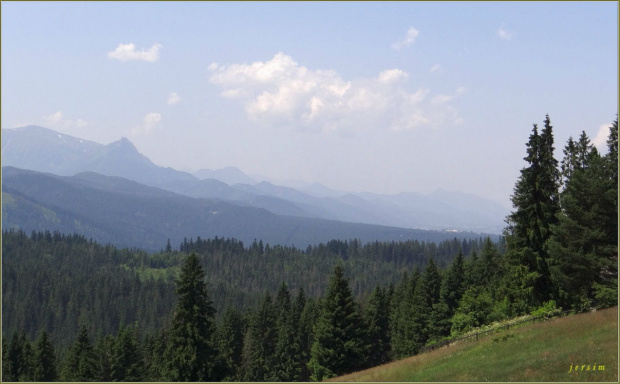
(220, 310)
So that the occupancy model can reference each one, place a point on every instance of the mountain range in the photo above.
(47, 151)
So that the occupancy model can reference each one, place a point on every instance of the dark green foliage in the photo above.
(191, 353)
(453, 284)
(536, 204)
(230, 339)
(81, 362)
(44, 359)
(339, 345)
(260, 342)
(127, 361)
(583, 246)
(19, 359)
(104, 352)
(287, 354)
(377, 321)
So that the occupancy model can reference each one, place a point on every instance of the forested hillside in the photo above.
(60, 281)
(215, 309)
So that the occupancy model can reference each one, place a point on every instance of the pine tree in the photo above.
(127, 358)
(407, 322)
(191, 353)
(287, 352)
(377, 320)
(583, 246)
(260, 342)
(339, 345)
(230, 344)
(491, 265)
(81, 361)
(453, 285)
(536, 204)
(307, 318)
(104, 354)
(20, 359)
(452, 289)
(44, 359)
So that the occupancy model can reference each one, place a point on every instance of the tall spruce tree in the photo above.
(191, 353)
(583, 246)
(408, 319)
(339, 345)
(44, 359)
(287, 352)
(127, 356)
(81, 361)
(19, 359)
(260, 342)
(230, 344)
(536, 204)
(377, 319)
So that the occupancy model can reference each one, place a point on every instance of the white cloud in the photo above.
(409, 39)
(392, 75)
(435, 68)
(58, 121)
(173, 99)
(150, 122)
(443, 99)
(127, 52)
(600, 141)
(280, 92)
(505, 34)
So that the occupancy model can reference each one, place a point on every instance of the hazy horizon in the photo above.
(377, 97)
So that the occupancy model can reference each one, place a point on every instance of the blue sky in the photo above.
(384, 97)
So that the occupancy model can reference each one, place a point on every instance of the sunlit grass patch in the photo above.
(539, 352)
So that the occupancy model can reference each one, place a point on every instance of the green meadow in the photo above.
(581, 347)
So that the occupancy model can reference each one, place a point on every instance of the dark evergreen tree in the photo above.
(453, 284)
(339, 345)
(536, 204)
(231, 335)
(19, 359)
(44, 359)
(287, 352)
(308, 317)
(104, 355)
(260, 342)
(127, 361)
(408, 321)
(491, 265)
(377, 320)
(583, 247)
(81, 362)
(191, 353)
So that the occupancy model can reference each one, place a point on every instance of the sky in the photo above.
(383, 97)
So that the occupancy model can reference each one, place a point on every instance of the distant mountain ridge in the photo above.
(45, 150)
(125, 213)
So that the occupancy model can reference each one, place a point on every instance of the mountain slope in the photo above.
(44, 150)
(542, 352)
(126, 213)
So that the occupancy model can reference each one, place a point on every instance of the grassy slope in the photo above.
(538, 352)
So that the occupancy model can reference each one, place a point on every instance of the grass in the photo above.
(534, 353)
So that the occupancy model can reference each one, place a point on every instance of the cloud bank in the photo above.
(127, 52)
(280, 92)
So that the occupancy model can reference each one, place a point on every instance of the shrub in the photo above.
(547, 310)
